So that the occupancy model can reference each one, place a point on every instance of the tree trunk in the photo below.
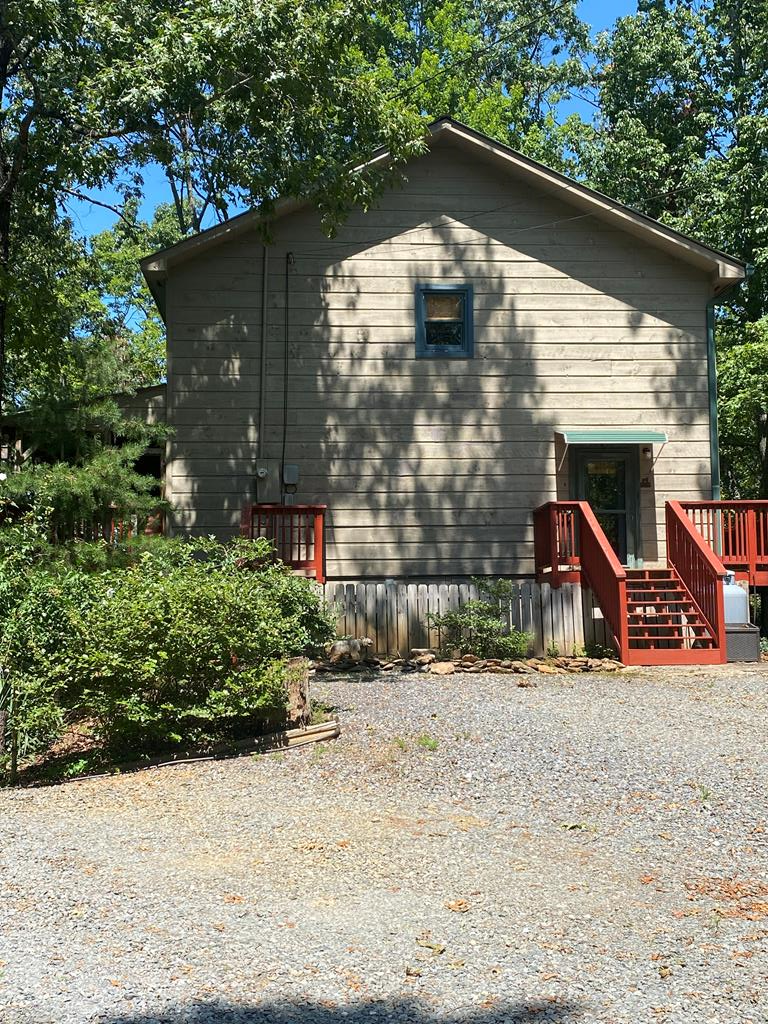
(5, 249)
(762, 437)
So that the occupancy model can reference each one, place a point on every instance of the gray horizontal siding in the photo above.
(433, 467)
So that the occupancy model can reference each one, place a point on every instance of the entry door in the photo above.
(608, 480)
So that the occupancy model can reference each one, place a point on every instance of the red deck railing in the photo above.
(737, 531)
(297, 531)
(698, 567)
(110, 529)
(555, 541)
(569, 542)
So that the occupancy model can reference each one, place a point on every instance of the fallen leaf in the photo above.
(647, 879)
(436, 947)
(664, 972)
(412, 972)
(457, 906)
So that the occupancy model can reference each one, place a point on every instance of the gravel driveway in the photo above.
(594, 849)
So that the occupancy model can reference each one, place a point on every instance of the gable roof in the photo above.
(725, 270)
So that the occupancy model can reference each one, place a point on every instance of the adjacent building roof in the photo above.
(725, 270)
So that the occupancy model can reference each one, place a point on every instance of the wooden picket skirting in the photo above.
(394, 614)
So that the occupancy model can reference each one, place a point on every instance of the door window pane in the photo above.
(606, 485)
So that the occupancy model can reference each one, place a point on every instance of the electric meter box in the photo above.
(267, 475)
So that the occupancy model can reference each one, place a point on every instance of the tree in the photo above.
(681, 134)
(235, 109)
(503, 68)
(131, 324)
(84, 328)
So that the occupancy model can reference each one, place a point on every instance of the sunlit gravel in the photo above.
(591, 849)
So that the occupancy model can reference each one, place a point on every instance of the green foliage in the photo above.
(480, 626)
(681, 133)
(503, 69)
(66, 498)
(184, 643)
(742, 402)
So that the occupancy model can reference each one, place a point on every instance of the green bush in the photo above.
(172, 642)
(480, 627)
(66, 499)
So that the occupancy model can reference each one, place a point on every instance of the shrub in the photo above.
(68, 498)
(480, 626)
(173, 642)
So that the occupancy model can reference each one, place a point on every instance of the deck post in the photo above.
(554, 550)
(752, 546)
(319, 551)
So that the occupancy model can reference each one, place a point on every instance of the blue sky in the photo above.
(90, 219)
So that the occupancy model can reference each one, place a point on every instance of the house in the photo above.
(491, 336)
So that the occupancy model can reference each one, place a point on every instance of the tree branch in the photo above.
(105, 206)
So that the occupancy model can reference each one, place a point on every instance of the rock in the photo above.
(351, 651)
(442, 668)
(550, 670)
(469, 659)
(418, 652)
(423, 659)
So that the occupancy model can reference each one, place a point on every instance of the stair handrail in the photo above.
(605, 575)
(698, 567)
(597, 561)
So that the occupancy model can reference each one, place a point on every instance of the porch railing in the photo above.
(568, 542)
(297, 531)
(698, 566)
(555, 541)
(737, 531)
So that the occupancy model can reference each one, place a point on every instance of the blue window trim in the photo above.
(425, 351)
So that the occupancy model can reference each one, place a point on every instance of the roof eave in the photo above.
(725, 270)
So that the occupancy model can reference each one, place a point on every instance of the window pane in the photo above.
(445, 306)
(606, 485)
(445, 332)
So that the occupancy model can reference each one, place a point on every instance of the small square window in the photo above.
(444, 321)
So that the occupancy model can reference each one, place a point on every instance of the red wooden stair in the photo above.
(667, 616)
(664, 621)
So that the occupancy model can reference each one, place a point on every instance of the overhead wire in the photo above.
(472, 216)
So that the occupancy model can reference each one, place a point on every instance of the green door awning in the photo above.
(599, 437)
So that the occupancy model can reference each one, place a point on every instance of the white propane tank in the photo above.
(736, 601)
